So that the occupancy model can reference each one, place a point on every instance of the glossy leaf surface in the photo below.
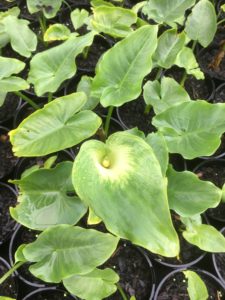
(50, 68)
(166, 11)
(122, 182)
(188, 195)
(201, 24)
(206, 237)
(9, 66)
(197, 289)
(192, 128)
(56, 32)
(57, 126)
(170, 44)
(125, 65)
(96, 285)
(163, 96)
(114, 21)
(62, 251)
(48, 7)
(44, 200)
(23, 40)
(79, 17)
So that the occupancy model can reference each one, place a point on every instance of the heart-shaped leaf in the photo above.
(123, 183)
(44, 199)
(128, 61)
(45, 130)
(95, 285)
(192, 128)
(64, 250)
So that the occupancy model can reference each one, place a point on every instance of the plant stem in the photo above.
(27, 99)
(221, 21)
(121, 291)
(107, 122)
(11, 271)
(49, 97)
(42, 22)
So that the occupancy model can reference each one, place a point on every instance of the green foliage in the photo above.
(44, 200)
(50, 68)
(79, 17)
(192, 128)
(63, 251)
(125, 178)
(17, 32)
(48, 7)
(85, 85)
(201, 24)
(45, 130)
(204, 236)
(197, 289)
(95, 285)
(128, 61)
(167, 11)
(188, 195)
(57, 32)
(165, 94)
(170, 44)
(114, 21)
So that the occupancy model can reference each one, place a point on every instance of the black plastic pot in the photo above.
(9, 287)
(137, 276)
(20, 236)
(219, 258)
(8, 197)
(174, 283)
(213, 170)
(7, 159)
(132, 115)
(49, 294)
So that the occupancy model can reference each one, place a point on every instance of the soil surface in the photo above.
(134, 271)
(214, 171)
(197, 89)
(95, 51)
(132, 115)
(7, 224)
(219, 96)
(51, 295)
(8, 287)
(7, 159)
(188, 252)
(8, 109)
(175, 288)
(205, 60)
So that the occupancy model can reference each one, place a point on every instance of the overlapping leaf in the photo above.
(57, 126)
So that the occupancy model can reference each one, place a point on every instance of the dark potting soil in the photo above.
(197, 89)
(134, 271)
(206, 60)
(8, 287)
(132, 114)
(219, 96)
(25, 236)
(188, 252)
(51, 295)
(214, 172)
(95, 51)
(175, 288)
(8, 109)
(7, 159)
(7, 224)
(5, 4)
